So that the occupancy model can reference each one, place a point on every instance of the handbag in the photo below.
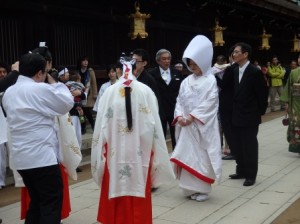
(285, 120)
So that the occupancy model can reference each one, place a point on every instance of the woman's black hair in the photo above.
(44, 51)
(5, 66)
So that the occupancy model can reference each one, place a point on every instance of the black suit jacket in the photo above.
(148, 80)
(226, 85)
(250, 99)
(168, 93)
(9, 80)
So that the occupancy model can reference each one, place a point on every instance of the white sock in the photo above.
(201, 197)
(194, 196)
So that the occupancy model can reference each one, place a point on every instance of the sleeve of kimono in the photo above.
(98, 144)
(285, 95)
(161, 171)
(69, 145)
(178, 107)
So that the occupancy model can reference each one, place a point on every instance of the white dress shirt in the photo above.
(31, 108)
(242, 69)
(166, 75)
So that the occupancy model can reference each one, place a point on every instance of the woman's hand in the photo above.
(181, 121)
(185, 121)
(189, 120)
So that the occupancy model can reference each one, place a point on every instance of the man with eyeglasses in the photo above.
(142, 58)
(250, 101)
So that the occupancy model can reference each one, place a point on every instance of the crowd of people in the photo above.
(216, 109)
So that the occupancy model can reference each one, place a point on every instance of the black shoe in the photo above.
(153, 189)
(236, 176)
(249, 182)
(228, 157)
(78, 170)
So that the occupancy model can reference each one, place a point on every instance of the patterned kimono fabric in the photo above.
(126, 209)
(291, 94)
(66, 206)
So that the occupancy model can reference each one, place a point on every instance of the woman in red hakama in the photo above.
(66, 205)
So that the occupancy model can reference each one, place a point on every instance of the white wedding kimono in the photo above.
(129, 152)
(3, 125)
(3, 151)
(197, 155)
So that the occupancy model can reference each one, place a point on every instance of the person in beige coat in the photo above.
(88, 79)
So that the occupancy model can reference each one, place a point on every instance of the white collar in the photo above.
(161, 70)
(242, 69)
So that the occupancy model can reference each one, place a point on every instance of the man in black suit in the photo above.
(142, 58)
(168, 81)
(226, 85)
(250, 101)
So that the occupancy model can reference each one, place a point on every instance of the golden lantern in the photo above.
(137, 25)
(218, 34)
(296, 44)
(265, 40)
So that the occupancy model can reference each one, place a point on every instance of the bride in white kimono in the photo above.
(197, 155)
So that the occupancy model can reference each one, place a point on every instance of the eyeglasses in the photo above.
(236, 52)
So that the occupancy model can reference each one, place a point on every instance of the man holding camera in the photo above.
(31, 105)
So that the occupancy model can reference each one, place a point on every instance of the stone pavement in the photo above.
(276, 188)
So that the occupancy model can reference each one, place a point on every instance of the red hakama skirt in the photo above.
(125, 209)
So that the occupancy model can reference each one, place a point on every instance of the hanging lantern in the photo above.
(137, 25)
(265, 41)
(296, 44)
(218, 34)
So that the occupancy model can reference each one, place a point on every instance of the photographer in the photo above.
(35, 149)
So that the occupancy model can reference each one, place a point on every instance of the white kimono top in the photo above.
(129, 152)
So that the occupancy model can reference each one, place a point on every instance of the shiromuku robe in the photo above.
(126, 163)
(197, 154)
(198, 147)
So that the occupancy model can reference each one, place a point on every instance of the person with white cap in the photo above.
(199, 163)
(63, 74)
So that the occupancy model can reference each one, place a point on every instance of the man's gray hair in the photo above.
(160, 52)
